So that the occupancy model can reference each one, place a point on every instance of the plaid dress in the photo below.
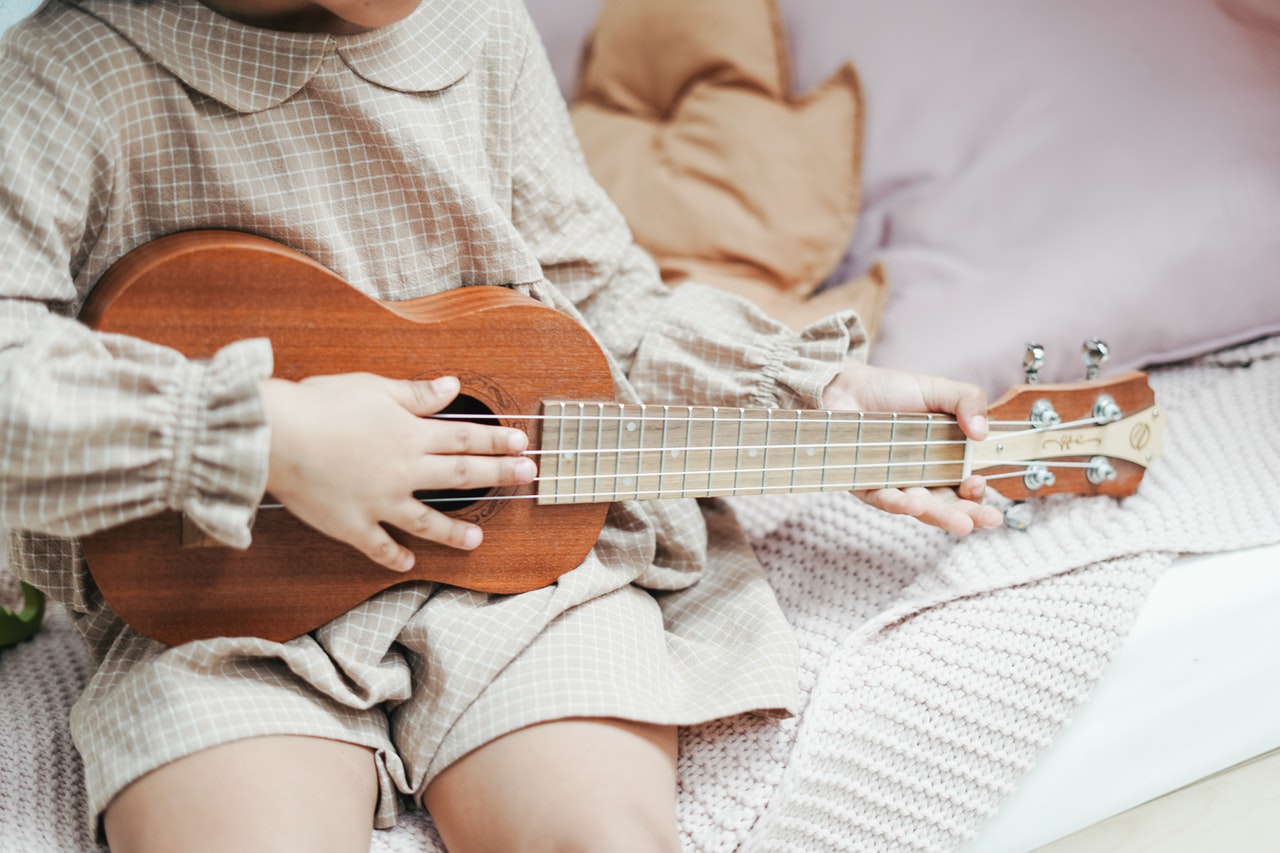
(431, 154)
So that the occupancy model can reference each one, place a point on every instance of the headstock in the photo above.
(1095, 437)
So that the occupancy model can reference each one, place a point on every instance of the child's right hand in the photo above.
(348, 451)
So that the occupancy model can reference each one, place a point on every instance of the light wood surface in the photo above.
(1235, 811)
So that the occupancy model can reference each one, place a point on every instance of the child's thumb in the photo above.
(425, 397)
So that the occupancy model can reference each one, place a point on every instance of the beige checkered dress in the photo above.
(432, 154)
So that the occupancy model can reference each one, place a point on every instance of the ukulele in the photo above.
(527, 366)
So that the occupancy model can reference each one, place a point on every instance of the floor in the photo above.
(1237, 810)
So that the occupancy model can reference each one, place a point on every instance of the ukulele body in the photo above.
(199, 291)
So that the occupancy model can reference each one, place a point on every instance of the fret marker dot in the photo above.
(753, 452)
(631, 426)
(568, 457)
(811, 452)
(628, 481)
(675, 454)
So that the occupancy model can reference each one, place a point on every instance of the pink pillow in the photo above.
(1050, 171)
(1056, 170)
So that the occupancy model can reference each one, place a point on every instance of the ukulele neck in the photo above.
(603, 452)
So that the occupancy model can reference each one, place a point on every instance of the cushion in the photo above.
(686, 118)
(1057, 170)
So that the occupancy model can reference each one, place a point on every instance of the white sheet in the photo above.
(11, 11)
(1194, 689)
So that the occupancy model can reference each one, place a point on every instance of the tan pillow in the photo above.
(686, 116)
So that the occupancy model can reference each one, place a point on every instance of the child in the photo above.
(411, 146)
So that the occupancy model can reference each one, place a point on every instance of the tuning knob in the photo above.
(1032, 361)
(1094, 353)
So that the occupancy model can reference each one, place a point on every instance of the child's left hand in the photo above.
(863, 388)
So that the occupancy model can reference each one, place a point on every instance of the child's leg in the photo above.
(265, 793)
(566, 785)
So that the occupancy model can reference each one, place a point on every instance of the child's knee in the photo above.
(572, 785)
(597, 827)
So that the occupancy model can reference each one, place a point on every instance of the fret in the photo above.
(610, 485)
(765, 467)
(795, 454)
(810, 473)
(945, 454)
(562, 466)
(698, 455)
(686, 452)
(857, 450)
(638, 461)
(668, 484)
(549, 463)
(826, 453)
(739, 465)
(898, 455)
(910, 448)
(844, 448)
(627, 465)
(711, 454)
(601, 468)
(782, 452)
(755, 436)
(724, 464)
(893, 445)
(924, 476)
(561, 457)
(650, 459)
(874, 444)
(568, 471)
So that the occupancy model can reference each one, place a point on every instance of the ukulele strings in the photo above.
(634, 482)
(630, 478)
(1019, 467)
(1015, 428)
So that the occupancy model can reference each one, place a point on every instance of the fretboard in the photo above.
(594, 452)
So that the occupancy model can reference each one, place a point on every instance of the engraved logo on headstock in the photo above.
(1067, 443)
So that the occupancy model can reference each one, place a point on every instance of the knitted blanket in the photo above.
(934, 670)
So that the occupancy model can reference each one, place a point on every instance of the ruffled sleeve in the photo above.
(739, 355)
(104, 429)
(221, 442)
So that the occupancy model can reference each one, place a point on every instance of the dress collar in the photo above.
(251, 69)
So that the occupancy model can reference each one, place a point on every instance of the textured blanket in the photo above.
(934, 672)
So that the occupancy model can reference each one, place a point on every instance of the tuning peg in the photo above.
(1032, 361)
(1094, 352)
(1018, 515)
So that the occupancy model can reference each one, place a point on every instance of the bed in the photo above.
(1096, 680)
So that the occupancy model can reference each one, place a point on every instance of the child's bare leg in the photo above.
(566, 785)
(265, 793)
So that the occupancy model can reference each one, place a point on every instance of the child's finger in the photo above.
(972, 488)
(413, 516)
(450, 437)
(967, 402)
(897, 501)
(940, 508)
(472, 472)
(424, 397)
(376, 544)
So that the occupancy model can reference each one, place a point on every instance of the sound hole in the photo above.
(451, 500)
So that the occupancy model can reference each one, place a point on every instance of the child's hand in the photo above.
(348, 451)
(863, 388)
